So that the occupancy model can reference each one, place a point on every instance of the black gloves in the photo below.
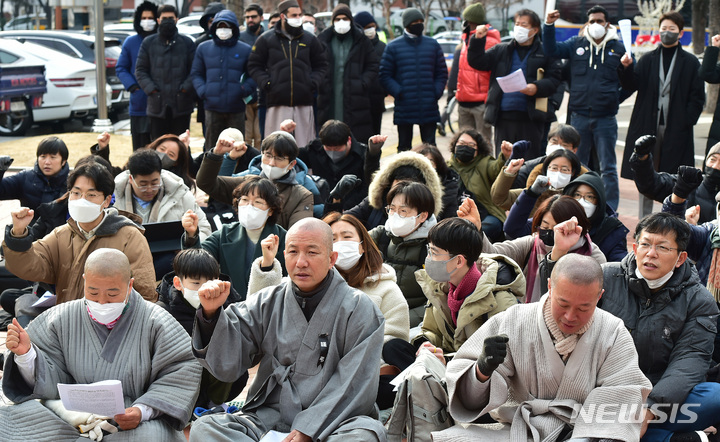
(494, 352)
(346, 184)
(519, 149)
(644, 145)
(5, 162)
(688, 179)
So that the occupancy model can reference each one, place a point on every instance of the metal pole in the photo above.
(102, 123)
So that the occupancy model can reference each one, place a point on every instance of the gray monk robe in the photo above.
(147, 350)
(601, 375)
(293, 389)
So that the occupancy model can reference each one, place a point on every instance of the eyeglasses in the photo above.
(258, 204)
(89, 195)
(661, 250)
(589, 197)
(403, 211)
(147, 188)
(432, 254)
(563, 169)
(268, 156)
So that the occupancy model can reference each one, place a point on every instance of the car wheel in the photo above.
(12, 125)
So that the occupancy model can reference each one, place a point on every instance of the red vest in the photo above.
(473, 85)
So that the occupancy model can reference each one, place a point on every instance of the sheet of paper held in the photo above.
(626, 32)
(46, 300)
(512, 83)
(104, 398)
(274, 436)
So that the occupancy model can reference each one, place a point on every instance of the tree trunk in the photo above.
(699, 23)
(714, 25)
(236, 6)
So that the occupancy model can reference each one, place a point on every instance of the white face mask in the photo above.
(342, 26)
(108, 312)
(294, 22)
(272, 172)
(521, 34)
(309, 27)
(588, 206)
(84, 211)
(656, 283)
(399, 226)
(348, 254)
(223, 33)
(370, 33)
(148, 25)
(552, 148)
(596, 30)
(558, 180)
(191, 296)
(251, 217)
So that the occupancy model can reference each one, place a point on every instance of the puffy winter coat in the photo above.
(163, 72)
(173, 200)
(659, 185)
(32, 187)
(414, 72)
(595, 82)
(59, 257)
(219, 70)
(501, 286)
(360, 71)
(125, 69)
(673, 328)
(406, 255)
(498, 60)
(473, 85)
(288, 71)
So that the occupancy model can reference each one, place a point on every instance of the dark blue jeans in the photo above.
(600, 134)
(703, 401)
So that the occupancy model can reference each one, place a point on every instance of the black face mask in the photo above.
(253, 28)
(713, 177)
(669, 38)
(547, 236)
(464, 154)
(167, 27)
(416, 29)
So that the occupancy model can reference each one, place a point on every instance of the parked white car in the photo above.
(71, 83)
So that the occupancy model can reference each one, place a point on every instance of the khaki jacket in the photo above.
(59, 257)
(501, 286)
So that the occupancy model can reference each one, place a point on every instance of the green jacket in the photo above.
(228, 246)
(501, 286)
(478, 177)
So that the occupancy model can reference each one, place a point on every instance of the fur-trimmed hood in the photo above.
(381, 182)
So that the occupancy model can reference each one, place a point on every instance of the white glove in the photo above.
(94, 427)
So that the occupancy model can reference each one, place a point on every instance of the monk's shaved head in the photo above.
(577, 269)
(108, 262)
(316, 227)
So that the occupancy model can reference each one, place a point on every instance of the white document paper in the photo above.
(46, 300)
(274, 436)
(626, 33)
(549, 6)
(104, 398)
(512, 83)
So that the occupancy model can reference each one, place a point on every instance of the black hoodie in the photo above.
(606, 231)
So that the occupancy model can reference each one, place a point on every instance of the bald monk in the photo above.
(111, 333)
(313, 335)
